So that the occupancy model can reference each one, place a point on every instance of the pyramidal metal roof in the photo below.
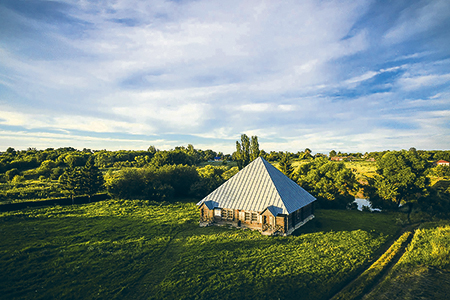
(259, 186)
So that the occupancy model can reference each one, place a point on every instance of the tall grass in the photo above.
(430, 246)
(423, 271)
(356, 288)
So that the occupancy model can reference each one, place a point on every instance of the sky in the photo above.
(350, 76)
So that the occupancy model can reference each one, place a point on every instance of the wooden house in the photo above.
(258, 197)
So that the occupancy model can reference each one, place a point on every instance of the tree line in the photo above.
(401, 179)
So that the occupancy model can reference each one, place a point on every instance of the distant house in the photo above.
(258, 197)
(338, 158)
(217, 158)
(442, 163)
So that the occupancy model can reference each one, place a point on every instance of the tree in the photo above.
(237, 156)
(75, 159)
(46, 168)
(286, 166)
(10, 174)
(175, 157)
(210, 178)
(331, 183)
(86, 180)
(307, 154)
(72, 181)
(92, 178)
(332, 153)
(152, 149)
(11, 151)
(179, 177)
(131, 183)
(401, 179)
(152, 183)
(254, 148)
(440, 171)
(246, 151)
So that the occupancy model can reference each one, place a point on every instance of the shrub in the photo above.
(17, 179)
(10, 174)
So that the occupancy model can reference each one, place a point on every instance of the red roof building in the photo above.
(442, 163)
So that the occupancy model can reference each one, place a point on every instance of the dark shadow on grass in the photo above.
(348, 220)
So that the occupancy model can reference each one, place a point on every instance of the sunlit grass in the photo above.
(422, 272)
(362, 169)
(367, 278)
(142, 249)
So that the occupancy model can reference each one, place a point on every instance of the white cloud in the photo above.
(216, 69)
(354, 81)
(363, 77)
(418, 18)
(414, 82)
(42, 140)
(255, 107)
(70, 122)
(287, 107)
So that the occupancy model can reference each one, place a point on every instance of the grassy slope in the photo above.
(423, 272)
(141, 250)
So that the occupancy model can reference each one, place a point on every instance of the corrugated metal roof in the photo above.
(258, 186)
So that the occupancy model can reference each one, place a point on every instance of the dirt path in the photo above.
(386, 270)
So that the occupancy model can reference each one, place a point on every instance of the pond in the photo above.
(364, 202)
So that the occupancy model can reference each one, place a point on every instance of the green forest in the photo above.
(144, 240)
(388, 179)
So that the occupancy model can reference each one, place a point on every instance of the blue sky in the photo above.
(127, 74)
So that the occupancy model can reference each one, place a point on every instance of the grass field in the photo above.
(147, 250)
(366, 280)
(423, 272)
(362, 169)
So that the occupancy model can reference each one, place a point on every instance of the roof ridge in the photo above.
(258, 186)
(272, 167)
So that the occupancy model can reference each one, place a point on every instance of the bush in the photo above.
(17, 179)
(152, 183)
(11, 174)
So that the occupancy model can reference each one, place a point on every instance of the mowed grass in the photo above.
(423, 272)
(147, 250)
(365, 281)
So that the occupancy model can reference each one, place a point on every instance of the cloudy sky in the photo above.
(126, 74)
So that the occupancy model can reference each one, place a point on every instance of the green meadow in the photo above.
(362, 168)
(148, 250)
(423, 272)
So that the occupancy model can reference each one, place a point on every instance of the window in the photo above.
(254, 217)
(227, 214)
(247, 216)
